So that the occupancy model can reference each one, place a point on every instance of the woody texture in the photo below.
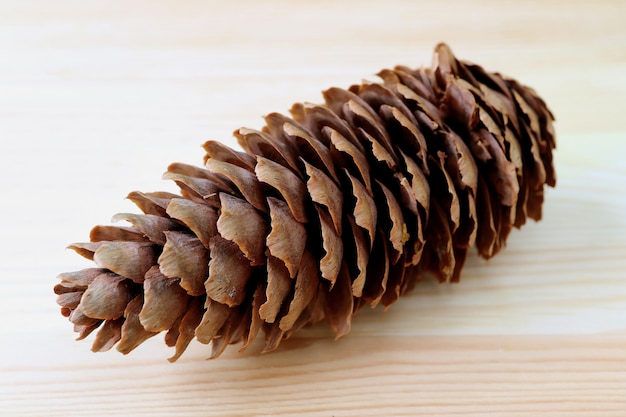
(340, 205)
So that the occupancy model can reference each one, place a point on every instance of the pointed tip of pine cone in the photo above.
(338, 206)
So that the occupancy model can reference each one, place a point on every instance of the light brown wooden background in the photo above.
(97, 97)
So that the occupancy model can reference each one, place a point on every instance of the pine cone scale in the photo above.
(229, 272)
(287, 238)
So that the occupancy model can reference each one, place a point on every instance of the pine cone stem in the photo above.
(342, 205)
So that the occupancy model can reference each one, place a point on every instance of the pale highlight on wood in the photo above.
(537, 330)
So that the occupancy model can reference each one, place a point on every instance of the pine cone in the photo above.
(341, 205)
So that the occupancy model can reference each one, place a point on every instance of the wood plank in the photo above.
(97, 98)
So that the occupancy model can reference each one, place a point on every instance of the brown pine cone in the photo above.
(341, 205)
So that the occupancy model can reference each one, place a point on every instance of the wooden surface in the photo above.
(96, 98)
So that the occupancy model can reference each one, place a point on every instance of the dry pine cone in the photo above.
(341, 205)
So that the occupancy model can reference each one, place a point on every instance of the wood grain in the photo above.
(96, 98)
